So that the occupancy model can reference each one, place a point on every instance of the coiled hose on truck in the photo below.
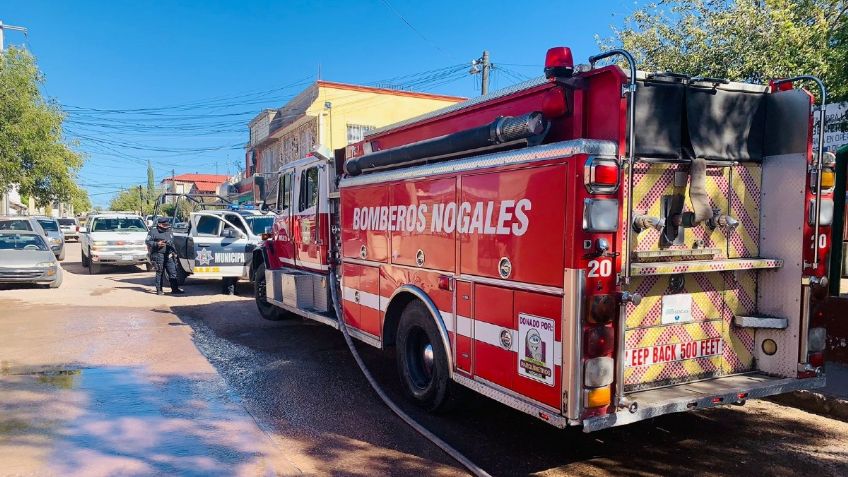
(447, 448)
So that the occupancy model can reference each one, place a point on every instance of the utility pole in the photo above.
(140, 202)
(11, 28)
(484, 86)
(483, 66)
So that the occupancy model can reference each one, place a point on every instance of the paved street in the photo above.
(101, 377)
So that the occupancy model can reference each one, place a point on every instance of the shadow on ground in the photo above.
(301, 378)
(83, 420)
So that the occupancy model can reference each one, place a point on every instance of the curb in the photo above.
(816, 403)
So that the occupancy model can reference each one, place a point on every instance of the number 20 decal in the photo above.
(600, 268)
(822, 241)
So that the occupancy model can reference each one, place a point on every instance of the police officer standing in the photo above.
(160, 245)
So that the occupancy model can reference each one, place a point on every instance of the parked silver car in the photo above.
(22, 223)
(70, 227)
(55, 236)
(25, 257)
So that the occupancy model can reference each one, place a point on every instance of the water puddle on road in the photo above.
(77, 420)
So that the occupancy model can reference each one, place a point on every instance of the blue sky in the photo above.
(199, 70)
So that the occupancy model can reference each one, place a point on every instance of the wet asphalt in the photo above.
(201, 385)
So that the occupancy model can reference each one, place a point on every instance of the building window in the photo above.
(356, 132)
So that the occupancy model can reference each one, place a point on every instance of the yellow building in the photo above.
(325, 114)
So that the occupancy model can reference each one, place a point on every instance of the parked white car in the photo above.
(113, 239)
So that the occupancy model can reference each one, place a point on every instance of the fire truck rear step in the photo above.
(771, 322)
(703, 266)
(700, 395)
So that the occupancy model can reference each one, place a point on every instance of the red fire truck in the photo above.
(596, 247)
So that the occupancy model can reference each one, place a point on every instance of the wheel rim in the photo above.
(420, 358)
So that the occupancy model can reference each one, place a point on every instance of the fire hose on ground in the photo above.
(447, 448)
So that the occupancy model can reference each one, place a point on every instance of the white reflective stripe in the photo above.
(365, 299)
(370, 300)
(448, 318)
(348, 294)
(491, 334)
(287, 260)
(462, 325)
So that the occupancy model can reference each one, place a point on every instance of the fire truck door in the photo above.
(283, 230)
(308, 239)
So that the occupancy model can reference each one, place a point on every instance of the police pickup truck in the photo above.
(218, 244)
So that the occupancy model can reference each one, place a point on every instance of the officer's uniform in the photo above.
(160, 256)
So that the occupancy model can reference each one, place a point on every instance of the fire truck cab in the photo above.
(594, 247)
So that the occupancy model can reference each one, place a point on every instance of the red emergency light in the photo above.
(559, 62)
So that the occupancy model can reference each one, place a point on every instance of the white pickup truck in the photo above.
(113, 239)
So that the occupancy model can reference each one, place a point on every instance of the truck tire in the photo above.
(267, 310)
(423, 360)
(84, 259)
(93, 268)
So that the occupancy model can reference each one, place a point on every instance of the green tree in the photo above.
(80, 200)
(128, 199)
(151, 184)
(743, 40)
(33, 154)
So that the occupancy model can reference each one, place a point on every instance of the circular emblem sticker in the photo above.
(506, 339)
(504, 267)
(419, 258)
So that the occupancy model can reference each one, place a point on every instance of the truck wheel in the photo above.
(422, 359)
(267, 310)
(93, 268)
(84, 260)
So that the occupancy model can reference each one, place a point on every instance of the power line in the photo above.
(411, 27)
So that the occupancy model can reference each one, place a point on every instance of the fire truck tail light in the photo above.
(825, 212)
(600, 215)
(816, 360)
(597, 397)
(559, 62)
(600, 175)
(598, 372)
(817, 340)
(598, 341)
(828, 179)
(602, 308)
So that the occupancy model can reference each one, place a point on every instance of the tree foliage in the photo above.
(33, 154)
(742, 40)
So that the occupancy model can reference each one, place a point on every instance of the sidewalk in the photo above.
(830, 401)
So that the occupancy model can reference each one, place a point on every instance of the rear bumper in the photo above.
(700, 395)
